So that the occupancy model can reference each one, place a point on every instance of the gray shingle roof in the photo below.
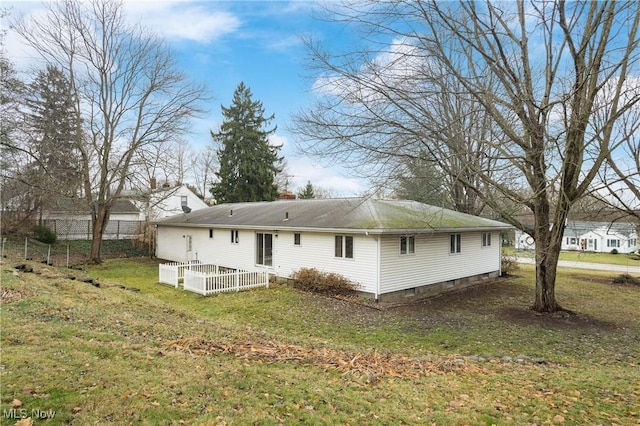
(577, 228)
(351, 214)
(79, 205)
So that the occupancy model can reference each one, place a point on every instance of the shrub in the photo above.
(509, 264)
(310, 279)
(614, 251)
(44, 234)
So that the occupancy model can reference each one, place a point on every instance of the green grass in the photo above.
(113, 355)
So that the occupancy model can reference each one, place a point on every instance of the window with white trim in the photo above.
(486, 239)
(455, 242)
(407, 244)
(183, 200)
(613, 243)
(344, 246)
(234, 236)
(296, 239)
(211, 233)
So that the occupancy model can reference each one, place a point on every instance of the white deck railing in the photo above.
(173, 272)
(206, 279)
(207, 283)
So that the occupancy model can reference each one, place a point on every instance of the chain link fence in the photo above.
(78, 229)
(73, 252)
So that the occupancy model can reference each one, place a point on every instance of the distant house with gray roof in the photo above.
(392, 248)
(599, 237)
(70, 219)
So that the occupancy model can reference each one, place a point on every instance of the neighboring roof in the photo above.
(576, 228)
(147, 192)
(79, 205)
(352, 214)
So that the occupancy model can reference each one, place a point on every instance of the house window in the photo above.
(613, 243)
(486, 240)
(211, 233)
(455, 243)
(296, 239)
(264, 249)
(407, 244)
(234, 236)
(573, 241)
(183, 200)
(344, 246)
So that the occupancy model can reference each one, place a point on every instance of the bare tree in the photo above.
(620, 177)
(203, 165)
(131, 95)
(545, 82)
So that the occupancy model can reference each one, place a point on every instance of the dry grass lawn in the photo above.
(132, 351)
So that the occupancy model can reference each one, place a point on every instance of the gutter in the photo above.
(365, 231)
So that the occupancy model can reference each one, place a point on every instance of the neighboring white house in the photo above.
(166, 201)
(600, 237)
(391, 248)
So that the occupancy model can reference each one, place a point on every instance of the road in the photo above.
(628, 269)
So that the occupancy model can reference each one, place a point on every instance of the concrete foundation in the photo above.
(430, 290)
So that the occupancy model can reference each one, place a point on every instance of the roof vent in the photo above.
(286, 216)
(231, 212)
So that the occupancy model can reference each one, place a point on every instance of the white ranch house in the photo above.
(391, 248)
(599, 237)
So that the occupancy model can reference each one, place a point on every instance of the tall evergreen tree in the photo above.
(307, 192)
(421, 181)
(248, 163)
(56, 133)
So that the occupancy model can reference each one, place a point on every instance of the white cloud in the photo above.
(183, 20)
(398, 66)
(278, 140)
(303, 170)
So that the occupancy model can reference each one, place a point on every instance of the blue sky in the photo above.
(225, 42)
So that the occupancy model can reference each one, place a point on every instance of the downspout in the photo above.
(378, 250)
(500, 254)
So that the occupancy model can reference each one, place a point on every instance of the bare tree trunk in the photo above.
(100, 221)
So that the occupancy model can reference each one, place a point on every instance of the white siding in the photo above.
(432, 263)
(167, 203)
(315, 251)
(221, 251)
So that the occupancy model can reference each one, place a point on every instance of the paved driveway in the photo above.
(629, 269)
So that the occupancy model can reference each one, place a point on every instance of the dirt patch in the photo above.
(626, 279)
(591, 278)
(562, 319)
(482, 298)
